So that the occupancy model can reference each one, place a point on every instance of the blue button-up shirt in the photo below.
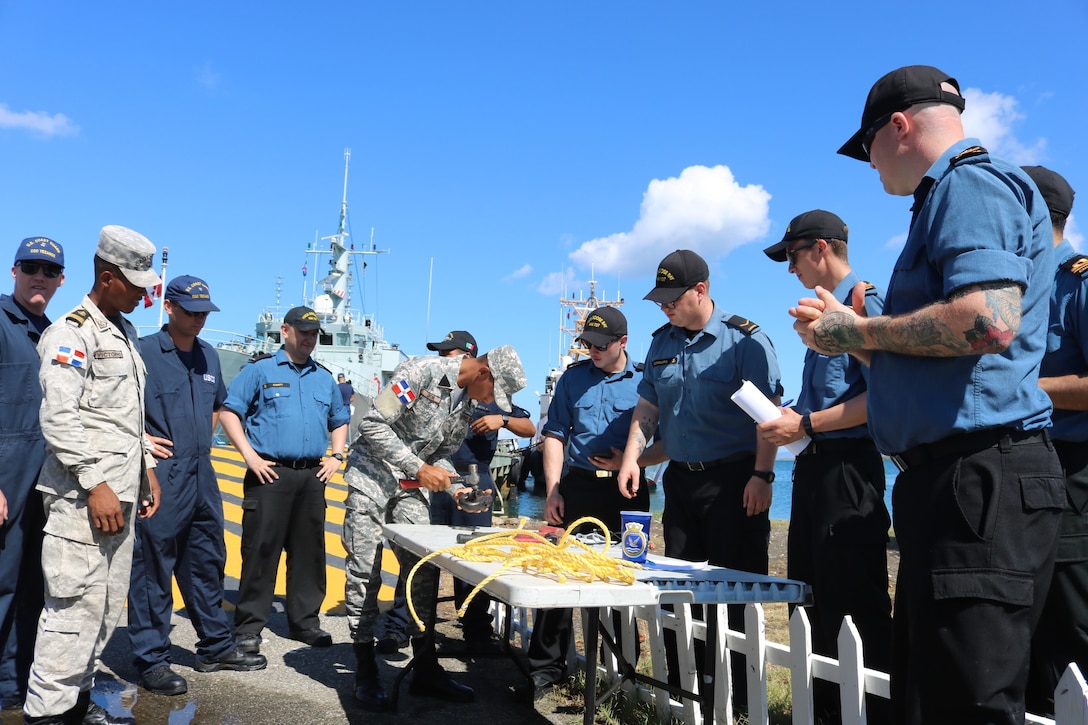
(287, 409)
(179, 400)
(983, 220)
(591, 410)
(828, 380)
(20, 393)
(1067, 342)
(479, 448)
(691, 381)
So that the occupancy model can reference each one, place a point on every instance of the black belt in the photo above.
(837, 445)
(593, 472)
(696, 466)
(964, 443)
(298, 464)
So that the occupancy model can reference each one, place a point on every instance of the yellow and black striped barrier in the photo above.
(230, 470)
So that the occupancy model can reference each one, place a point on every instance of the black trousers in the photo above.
(838, 545)
(584, 494)
(977, 534)
(285, 515)
(704, 520)
(1062, 634)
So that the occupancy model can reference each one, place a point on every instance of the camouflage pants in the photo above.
(85, 589)
(366, 511)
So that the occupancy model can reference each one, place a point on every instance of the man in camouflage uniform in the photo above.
(98, 464)
(415, 424)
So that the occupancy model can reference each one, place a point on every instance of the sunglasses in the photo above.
(598, 348)
(791, 254)
(672, 305)
(868, 136)
(51, 271)
(191, 314)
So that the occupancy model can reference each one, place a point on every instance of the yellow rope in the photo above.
(569, 557)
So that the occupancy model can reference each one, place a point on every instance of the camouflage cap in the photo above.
(509, 375)
(131, 251)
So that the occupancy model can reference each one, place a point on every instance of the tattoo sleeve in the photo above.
(978, 320)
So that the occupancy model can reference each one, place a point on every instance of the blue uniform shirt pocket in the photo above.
(277, 399)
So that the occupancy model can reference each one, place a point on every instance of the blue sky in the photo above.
(519, 145)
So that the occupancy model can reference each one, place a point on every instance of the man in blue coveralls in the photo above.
(1062, 635)
(184, 392)
(838, 534)
(38, 272)
(279, 414)
(978, 501)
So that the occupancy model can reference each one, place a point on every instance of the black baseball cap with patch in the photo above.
(302, 319)
(1057, 192)
(603, 325)
(677, 273)
(897, 91)
(815, 224)
(456, 340)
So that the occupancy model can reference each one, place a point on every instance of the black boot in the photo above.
(428, 677)
(368, 685)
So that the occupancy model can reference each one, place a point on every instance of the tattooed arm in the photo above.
(976, 320)
(643, 425)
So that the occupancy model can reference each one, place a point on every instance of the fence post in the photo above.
(851, 674)
(801, 667)
(1071, 698)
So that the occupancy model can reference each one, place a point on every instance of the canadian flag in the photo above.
(155, 291)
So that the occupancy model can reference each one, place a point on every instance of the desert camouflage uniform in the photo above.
(395, 439)
(92, 418)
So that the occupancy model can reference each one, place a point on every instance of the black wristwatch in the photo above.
(338, 456)
(767, 476)
(505, 420)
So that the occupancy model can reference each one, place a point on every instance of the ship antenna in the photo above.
(162, 281)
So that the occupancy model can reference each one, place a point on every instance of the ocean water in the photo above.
(530, 503)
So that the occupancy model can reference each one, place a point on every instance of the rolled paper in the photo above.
(753, 402)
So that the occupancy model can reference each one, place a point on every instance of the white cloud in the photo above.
(990, 117)
(209, 77)
(1073, 234)
(522, 271)
(39, 122)
(896, 243)
(703, 209)
(556, 283)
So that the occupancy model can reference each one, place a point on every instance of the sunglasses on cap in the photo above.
(51, 271)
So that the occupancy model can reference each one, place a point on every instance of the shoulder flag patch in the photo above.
(404, 392)
(70, 356)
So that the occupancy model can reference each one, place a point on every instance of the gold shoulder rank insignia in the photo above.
(744, 325)
(78, 317)
(1077, 265)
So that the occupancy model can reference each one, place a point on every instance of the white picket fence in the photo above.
(849, 671)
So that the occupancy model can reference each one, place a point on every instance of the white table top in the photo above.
(698, 583)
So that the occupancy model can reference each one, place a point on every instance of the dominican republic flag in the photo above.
(404, 392)
(70, 356)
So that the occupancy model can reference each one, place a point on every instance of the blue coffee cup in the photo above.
(635, 534)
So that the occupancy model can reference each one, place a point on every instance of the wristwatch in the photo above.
(767, 476)
(505, 420)
(338, 456)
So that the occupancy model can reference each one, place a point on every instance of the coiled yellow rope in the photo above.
(569, 557)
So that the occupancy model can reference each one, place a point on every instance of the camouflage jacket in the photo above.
(92, 413)
(420, 417)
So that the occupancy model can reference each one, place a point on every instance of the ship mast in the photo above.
(577, 312)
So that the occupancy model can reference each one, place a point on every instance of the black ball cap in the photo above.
(677, 272)
(815, 224)
(1056, 190)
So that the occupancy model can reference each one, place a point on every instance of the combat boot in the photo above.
(429, 679)
(368, 685)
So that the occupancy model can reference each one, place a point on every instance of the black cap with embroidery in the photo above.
(603, 325)
(302, 319)
(815, 224)
(456, 340)
(898, 91)
(677, 273)
(1056, 190)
